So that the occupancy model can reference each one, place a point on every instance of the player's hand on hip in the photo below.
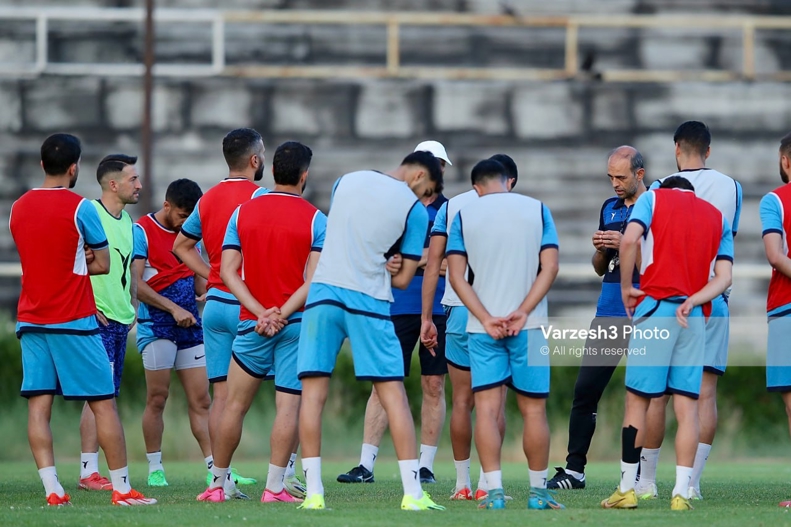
(496, 327)
(683, 311)
(201, 298)
(630, 297)
(101, 318)
(393, 265)
(184, 318)
(428, 336)
(515, 322)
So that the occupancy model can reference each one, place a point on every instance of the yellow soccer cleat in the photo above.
(680, 504)
(423, 504)
(314, 502)
(621, 500)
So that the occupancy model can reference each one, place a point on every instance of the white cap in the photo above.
(436, 148)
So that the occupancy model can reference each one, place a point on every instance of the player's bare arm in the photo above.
(628, 253)
(405, 274)
(723, 275)
(200, 288)
(229, 272)
(773, 246)
(297, 300)
(457, 265)
(185, 249)
(147, 295)
(100, 263)
(540, 288)
(431, 274)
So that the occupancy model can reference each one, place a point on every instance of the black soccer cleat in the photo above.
(426, 476)
(564, 480)
(358, 474)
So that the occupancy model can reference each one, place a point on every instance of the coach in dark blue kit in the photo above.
(625, 170)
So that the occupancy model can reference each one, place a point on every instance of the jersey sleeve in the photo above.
(260, 192)
(415, 233)
(549, 236)
(231, 240)
(725, 251)
(601, 216)
(140, 251)
(192, 227)
(440, 227)
(738, 214)
(643, 211)
(334, 188)
(771, 215)
(456, 238)
(319, 230)
(655, 185)
(91, 226)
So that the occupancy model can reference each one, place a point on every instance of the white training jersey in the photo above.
(442, 223)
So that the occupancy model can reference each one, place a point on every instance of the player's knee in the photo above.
(157, 400)
(433, 387)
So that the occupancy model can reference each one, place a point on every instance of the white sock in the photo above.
(494, 479)
(463, 474)
(628, 475)
(120, 480)
(209, 462)
(649, 459)
(89, 463)
(427, 454)
(229, 485)
(579, 475)
(368, 456)
(274, 479)
(291, 468)
(410, 478)
(482, 485)
(219, 475)
(701, 457)
(538, 478)
(155, 462)
(49, 477)
(311, 467)
(683, 475)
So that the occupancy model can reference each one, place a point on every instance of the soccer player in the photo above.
(626, 172)
(405, 313)
(62, 351)
(372, 216)
(457, 355)
(169, 332)
(275, 240)
(243, 150)
(693, 141)
(115, 294)
(775, 225)
(666, 350)
(507, 304)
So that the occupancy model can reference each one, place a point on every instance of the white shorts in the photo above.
(163, 355)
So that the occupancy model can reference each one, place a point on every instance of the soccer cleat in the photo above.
(241, 480)
(694, 494)
(282, 496)
(564, 480)
(295, 487)
(786, 504)
(358, 474)
(621, 500)
(157, 479)
(215, 495)
(95, 482)
(462, 495)
(680, 504)
(408, 503)
(495, 500)
(315, 502)
(646, 491)
(235, 494)
(426, 476)
(542, 499)
(480, 494)
(53, 500)
(131, 499)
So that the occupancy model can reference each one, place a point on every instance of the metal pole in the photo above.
(147, 192)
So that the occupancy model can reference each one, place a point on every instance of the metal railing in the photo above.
(393, 22)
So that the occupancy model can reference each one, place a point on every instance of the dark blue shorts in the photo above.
(114, 339)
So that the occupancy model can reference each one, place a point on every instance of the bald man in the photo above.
(626, 172)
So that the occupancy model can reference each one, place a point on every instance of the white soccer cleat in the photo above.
(694, 494)
(646, 491)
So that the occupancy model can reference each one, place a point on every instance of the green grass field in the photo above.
(740, 493)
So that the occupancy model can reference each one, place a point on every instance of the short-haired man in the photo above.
(507, 304)
(372, 216)
(243, 150)
(457, 355)
(693, 146)
(275, 240)
(666, 350)
(405, 313)
(62, 351)
(169, 335)
(775, 226)
(626, 172)
(115, 293)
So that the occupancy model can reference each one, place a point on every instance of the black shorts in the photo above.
(407, 329)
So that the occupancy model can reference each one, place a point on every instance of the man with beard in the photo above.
(115, 293)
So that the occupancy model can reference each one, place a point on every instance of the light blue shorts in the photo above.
(220, 321)
(717, 333)
(456, 340)
(259, 356)
(664, 358)
(75, 366)
(520, 362)
(778, 355)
